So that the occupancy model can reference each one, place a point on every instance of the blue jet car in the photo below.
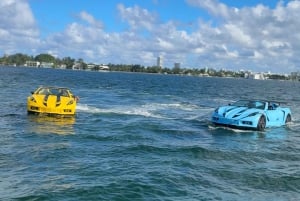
(252, 114)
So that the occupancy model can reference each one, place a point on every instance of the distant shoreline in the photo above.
(183, 72)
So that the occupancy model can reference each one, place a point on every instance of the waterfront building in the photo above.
(256, 76)
(160, 62)
(176, 65)
(46, 65)
(32, 64)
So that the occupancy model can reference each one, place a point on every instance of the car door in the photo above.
(275, 117)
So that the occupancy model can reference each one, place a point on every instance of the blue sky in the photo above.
(251, 35)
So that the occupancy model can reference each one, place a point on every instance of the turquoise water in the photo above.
(144, 137)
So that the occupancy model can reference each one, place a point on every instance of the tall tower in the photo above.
(160, 62)
(176, 65)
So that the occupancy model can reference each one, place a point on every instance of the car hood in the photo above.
(234, 112)
(51, 100)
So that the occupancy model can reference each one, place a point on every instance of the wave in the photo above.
(234, 130)
(155, 110)
(294, 125)
(117, 110)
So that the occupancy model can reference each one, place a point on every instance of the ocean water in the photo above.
(144, 137)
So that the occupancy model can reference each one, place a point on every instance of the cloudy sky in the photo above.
(251, 35)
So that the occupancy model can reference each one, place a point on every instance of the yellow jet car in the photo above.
(52, 101)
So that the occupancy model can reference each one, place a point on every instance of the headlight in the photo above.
(70, 102)
(253, 114)
(32, 99)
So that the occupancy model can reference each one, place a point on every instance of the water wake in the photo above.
(154, 110)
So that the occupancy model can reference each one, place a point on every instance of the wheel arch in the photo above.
(288, 117)
(262, 122)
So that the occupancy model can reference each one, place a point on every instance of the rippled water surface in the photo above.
(144, 137)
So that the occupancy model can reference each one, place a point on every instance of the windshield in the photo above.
(53, 91)
(250, 104)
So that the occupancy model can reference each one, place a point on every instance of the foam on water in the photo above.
(154, 110)
(126, 110)
(235, 130)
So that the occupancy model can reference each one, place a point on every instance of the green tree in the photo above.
(137, 68)
(83, 65)
(154, 69)
(18, 59)
(68, 61)
(45, 58)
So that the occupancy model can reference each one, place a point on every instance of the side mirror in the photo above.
(32, 92)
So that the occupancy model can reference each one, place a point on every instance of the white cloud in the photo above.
(270, 34)
(18, 28)
(238, 35)
(259, 37)
(214, 7)
(90, 19)
(136, 17)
